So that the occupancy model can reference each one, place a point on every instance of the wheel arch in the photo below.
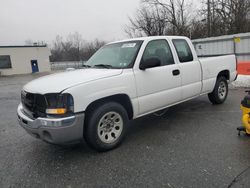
(122, 99)
(224, 73)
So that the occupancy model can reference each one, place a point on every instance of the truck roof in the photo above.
(150, 38)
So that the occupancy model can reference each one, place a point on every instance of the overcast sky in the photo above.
(42, 20)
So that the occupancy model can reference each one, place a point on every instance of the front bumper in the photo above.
(53, 130)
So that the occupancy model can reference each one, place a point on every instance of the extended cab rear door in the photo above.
(190, 68)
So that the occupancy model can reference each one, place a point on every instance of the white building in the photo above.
(24, 59)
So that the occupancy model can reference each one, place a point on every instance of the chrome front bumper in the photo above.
(53, 130)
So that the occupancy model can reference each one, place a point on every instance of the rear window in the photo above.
(183, 50)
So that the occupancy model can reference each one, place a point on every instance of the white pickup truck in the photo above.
(122, 81)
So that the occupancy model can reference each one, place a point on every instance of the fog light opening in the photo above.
(47, 136)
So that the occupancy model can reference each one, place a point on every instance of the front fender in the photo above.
(87, 93)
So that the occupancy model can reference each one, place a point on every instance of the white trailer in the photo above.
(237, 44)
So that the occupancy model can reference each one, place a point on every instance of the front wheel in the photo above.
(220, 92)
(106, 126)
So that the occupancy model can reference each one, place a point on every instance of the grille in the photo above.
(34, 104)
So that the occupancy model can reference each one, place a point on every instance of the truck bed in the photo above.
(211, 67)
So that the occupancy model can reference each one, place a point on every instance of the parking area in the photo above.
(194, 144)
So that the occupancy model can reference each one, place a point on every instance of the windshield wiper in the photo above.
(104, 66)
(86, 66)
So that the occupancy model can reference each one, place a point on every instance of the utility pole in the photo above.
(213, 18)
(208, 18)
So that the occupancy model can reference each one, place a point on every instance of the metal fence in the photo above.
(66, 64)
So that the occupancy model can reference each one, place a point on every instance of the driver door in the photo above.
(160, 86)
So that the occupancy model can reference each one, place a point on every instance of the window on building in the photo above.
(183, 50)
(5, 62)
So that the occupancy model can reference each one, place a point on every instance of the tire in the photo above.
(106, 126)
(220, 92)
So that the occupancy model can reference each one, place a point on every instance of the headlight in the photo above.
(59, 104)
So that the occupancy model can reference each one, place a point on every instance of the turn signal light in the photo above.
(56, 111)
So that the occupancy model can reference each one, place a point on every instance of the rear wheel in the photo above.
(220, 92)
(106, 126)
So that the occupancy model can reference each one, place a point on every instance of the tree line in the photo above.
(183, 17)
(73, 48)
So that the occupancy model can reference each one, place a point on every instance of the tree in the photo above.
(149, 21)
(227, 16)
(76, 42)
(159, 17)
(91, 47)
(175, 17)
(73, 48)
(57, 49)
(198, 29)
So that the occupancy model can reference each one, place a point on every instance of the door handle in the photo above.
(176, 72)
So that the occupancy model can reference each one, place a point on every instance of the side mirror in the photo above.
(150, 63)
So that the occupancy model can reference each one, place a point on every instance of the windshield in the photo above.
(117, 55)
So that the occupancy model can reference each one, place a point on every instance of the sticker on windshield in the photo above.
(129, 45)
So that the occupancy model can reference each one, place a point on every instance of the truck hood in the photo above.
(56, 83)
